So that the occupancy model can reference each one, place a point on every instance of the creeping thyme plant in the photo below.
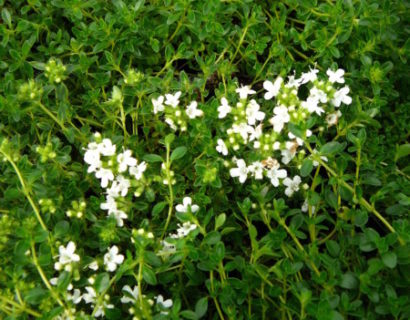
(204, 160)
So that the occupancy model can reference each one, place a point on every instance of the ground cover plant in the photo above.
(204, 159)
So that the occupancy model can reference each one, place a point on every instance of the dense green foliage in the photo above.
(70, 68)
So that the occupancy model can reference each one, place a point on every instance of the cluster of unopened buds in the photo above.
(118, 173)
(262, 137)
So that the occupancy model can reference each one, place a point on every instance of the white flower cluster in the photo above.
(121, 170)
(90, 297)
(132, 295)
(176, 116)
(269, 133)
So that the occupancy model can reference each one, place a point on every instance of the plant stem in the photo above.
(171, 191)
(23, 308)
(46, 282)
(26, 190)
(362, 200)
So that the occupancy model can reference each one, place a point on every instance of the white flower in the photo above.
(305, 207)
(172, 99)
(244, 91)
(100, 309)
(110, 204)
(67, 256)
(105, 175)
(281, 117)
(224, 108)
(311, 104)
(75, 297)
(255, 133)
(171, 124)
(138, 170)
(292, 185)
(336, 76)
(112, 259)
(333, 118)
(318, 94)
(256, 169)
(184, 230)
(315, 162)
(158, 104)
(243, 129)
(124, 160)
(293, 83)
(299, 141)
(122, 185)
(106, 148)
(274, 174)
(309, 76)
(341, 96)
(165, 304)
(92, 157)
(131, 295)
(167, 248)
(93, 265)
(221, 147)
(287, 156)
(119, 215)
(90, 296)
(253, 114)
(192, 111)
(272, 88)
(240, 171)
(187, 203)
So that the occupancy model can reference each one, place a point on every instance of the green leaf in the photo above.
(36, 295)
(348, 281)
(5, 15)
(149, 275)
(306, 168)
(169, 139)
(152, 158)
(332, 148)
(402, 151)
(158, 208)
(102, 281)
(333, 248)
(212, 238)
(201, 307)
(188, 314)
(61, 228)
(220, 220)
(178, 153)
(389, 259)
